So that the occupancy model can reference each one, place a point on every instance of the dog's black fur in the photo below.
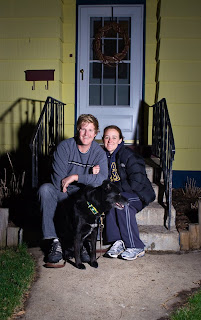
(84, 223)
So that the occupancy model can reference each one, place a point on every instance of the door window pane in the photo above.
(109, 75)
(93, 54)
(95, 24)
(110, 47)
(111, 33)
(125, 24)
(124, 73)
(109, 95)
(123, 95)
(94, 95)
(95, 73)
(121, 46)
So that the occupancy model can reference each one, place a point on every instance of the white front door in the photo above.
(111, 92)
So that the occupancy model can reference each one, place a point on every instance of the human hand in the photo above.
(96, 169)
(68, 180)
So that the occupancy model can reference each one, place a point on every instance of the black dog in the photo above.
(89, 204)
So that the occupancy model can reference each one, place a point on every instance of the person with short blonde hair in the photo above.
(88, 118)
(76, 161)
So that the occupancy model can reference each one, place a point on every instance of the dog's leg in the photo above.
(93, 263)
(78, 243)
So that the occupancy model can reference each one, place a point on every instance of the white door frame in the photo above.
(126, 118)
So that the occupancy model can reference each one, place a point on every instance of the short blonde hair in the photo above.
(87, 118)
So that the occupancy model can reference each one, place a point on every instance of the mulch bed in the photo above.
(186, 209)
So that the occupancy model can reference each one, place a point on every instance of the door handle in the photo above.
(82, 72)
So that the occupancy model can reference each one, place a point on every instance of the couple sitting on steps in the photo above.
(80, 160)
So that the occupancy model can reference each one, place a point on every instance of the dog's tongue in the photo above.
(119, 205)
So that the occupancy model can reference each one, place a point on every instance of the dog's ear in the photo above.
(106, 185)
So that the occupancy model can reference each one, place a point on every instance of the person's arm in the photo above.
(136, 173)
(98, 158)
(68, 180)
(74, 177)
(138, 180)
(60, 164)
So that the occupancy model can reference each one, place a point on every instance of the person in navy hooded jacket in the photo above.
(127, 171)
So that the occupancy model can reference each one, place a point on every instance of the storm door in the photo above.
(110, 65)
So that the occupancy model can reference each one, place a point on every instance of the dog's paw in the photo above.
(81, 266)
(94, 264)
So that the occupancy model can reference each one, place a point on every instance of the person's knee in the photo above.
(45, 191)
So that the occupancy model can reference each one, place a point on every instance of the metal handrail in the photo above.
(48, 133)
(163, 147)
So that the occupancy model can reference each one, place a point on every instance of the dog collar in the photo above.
(92, 208)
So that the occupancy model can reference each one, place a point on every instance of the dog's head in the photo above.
(112, 196)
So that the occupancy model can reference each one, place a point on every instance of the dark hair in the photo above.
(87, 118)
(116, 128)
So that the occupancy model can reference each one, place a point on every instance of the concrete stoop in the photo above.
(154, 214)
(153, 229)
(158, 238)
(153, 225)
(155, 238)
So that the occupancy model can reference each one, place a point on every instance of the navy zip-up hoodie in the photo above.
(131, 170)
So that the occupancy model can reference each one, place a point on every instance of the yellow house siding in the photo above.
(11, 70)
(31, 37)
(180, 49)
(21, 113)
(30, 28)
(179, 76)
(180, 92)
(18, 49)
(186, 137)
(185, 119)
(30, 8)
(180, 27)
(150, 49)
(13, 117)
(180, 8)
(188, 159)
(150, 59)
(180, 71)
(68, 85)
(10, 89)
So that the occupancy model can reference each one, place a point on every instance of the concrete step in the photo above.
(157, 238)
(154, 214)
(156, 190)
(156, 174)
(149, 172)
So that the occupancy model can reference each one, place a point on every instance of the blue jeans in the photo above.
(49, 198)
(122, 224)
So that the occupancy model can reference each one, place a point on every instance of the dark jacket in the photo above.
(133, 177)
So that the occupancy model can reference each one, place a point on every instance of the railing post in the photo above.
(164, 148)
(46, 135)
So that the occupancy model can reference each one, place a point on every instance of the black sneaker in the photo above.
(55, 254)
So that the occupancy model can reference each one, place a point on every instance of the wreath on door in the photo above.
(111, 61)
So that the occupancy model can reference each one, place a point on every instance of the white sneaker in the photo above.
(117, 248)
(132, 253)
